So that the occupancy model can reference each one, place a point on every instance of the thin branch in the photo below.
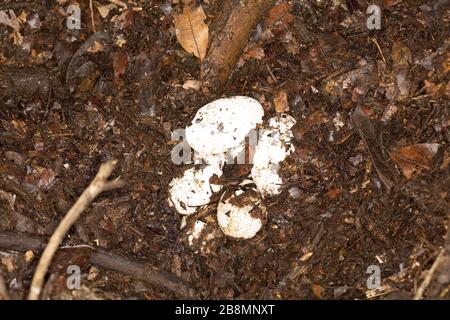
(119, 3)
(91, 8)
(426, 282)
(97, 186)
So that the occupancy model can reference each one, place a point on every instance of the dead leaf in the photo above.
(401, 55)
(404, 84)
(281, 101)
(251, 52)
(192, 84)
(302, 127)
(25, 224)
(8, 197)
(255, 53)
(333, 193)
(125, 20)
(9, 19)
(23, 17)
(17, 38)
(306, 256)
(191, 30)
(8, 262)
(120, 64)
(96, 46)
(435, 90)
(415, 158)
(46, 179)
(104, 10)
(279, 17)
(317, 290)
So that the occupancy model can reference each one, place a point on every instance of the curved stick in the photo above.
(97, 186)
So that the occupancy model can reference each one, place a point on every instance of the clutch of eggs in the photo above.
(218, 131)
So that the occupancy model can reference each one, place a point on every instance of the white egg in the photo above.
(240, 213)
(223, 125)
(193, 190)
(274, 145)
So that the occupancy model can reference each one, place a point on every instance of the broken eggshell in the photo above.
(223, 125)
(203, 236)
(193, 189)
(274, 145)
(241, 213)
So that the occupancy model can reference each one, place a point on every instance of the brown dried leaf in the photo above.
(281, 101)
(279, 17)
(415, 157)
(120, 64)
(435, 90)
(10, 19)
(8, 197)
(105, 9)
(317, 290)
(333, 193)
(251, 52)
(125, 20)
(306, 256)
(401, 55)
(302, 127)
(95, 47)
(192, 84)
(191, 30)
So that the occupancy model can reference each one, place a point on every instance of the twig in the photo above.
(3, 289)
(271, 74)
(426, 282)
(106, 260)
(143, 271)
(379, 48)
(118, 3)
(97, 186)
(91, 8)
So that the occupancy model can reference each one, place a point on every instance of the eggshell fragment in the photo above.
(274, 145)
(223, 124)
(240, 213)
(193, 189)
(195, 231)
(204, 236)
(267, 179)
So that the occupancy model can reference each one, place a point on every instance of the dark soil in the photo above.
(67, 105)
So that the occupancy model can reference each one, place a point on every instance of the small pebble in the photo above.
(294, 192)
(356, 160)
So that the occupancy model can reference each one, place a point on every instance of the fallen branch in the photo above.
(101, 258)
(97, 186)
(232, 29)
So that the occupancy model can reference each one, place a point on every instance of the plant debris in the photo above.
(362, 180)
